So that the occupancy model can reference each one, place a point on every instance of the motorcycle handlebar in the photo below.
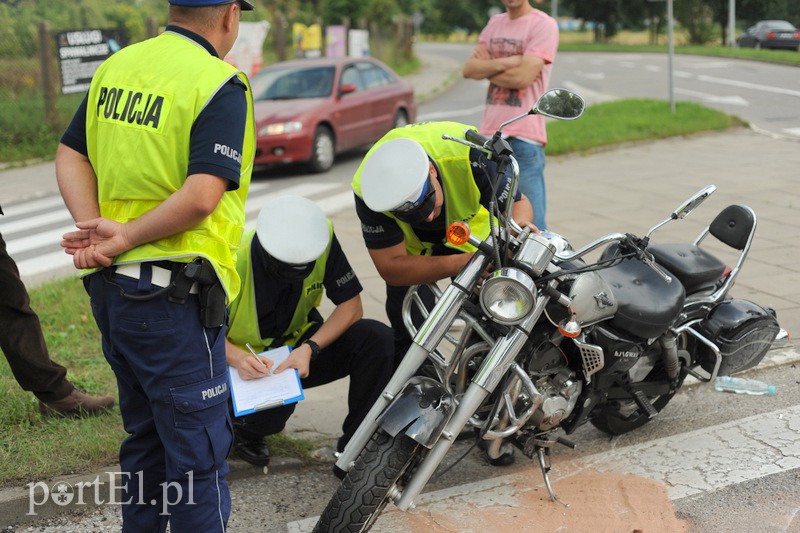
(473, 136)
(648, 259)
(626, 240)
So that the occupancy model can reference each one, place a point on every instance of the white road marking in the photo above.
(591, 97)
(439, 115)
(748, 85)
(714, 99)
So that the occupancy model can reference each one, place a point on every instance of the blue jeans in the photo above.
(531, 177)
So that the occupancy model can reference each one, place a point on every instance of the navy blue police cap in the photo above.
(247, 5)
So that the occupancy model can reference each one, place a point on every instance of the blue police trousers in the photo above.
(173, 392)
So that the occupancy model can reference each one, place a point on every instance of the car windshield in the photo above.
(291, 83)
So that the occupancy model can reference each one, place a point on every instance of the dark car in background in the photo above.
(309, 110)
(770, 34)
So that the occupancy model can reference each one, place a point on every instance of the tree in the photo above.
(606, 15)
(696, 16)
(334, 11)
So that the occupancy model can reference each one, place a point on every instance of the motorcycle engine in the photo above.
(556, 382)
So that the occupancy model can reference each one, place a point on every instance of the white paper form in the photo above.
(272, 390)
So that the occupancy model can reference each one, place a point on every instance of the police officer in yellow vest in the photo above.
(155, 168)
(410, 186)
(286, 264)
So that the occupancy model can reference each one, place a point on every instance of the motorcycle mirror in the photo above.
(555, 103)
(559, 103)
(696, 199)
(686, 207)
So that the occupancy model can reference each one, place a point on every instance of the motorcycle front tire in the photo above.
(363, 493)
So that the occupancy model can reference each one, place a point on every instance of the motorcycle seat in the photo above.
(647, 304)
(696, 268)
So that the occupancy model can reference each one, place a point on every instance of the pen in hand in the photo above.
(253, 352)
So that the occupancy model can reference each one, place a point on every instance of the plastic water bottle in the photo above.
(743, 386)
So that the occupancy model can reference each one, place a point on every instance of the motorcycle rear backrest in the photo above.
(735, 226)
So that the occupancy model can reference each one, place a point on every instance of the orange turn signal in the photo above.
(458, 233)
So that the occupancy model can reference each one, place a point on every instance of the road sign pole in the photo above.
(671, 53)
(731, 22)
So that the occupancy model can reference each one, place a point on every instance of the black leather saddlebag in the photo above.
(743, 332)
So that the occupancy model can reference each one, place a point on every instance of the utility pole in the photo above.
(554, 8)
(671, 47)
(670, 53)
(731, 23)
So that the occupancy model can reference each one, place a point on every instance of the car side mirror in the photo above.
(347, 88)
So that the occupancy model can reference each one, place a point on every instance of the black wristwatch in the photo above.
(315, 349)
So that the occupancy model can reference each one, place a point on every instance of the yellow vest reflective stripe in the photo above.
(463, 198)
(138, 126)
(243, 317)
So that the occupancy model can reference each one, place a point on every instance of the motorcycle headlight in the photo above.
(508, 295)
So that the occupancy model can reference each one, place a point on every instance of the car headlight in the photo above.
(508, 295)
(280, 128)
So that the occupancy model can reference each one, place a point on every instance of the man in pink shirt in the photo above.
(515, 53)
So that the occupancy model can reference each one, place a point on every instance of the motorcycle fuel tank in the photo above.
(592, 299)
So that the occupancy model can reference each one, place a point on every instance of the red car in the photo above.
(309, 110)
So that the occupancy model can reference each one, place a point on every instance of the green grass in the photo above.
(33, 448)
(23, 132)
(621, 121)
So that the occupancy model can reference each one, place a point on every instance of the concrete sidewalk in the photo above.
(625, 189)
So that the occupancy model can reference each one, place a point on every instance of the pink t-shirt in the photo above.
(533, 34)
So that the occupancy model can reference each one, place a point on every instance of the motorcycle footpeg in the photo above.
(566, 442)
(532, 443)
(644, 404)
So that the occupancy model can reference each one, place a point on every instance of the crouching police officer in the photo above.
(410, 187)
(285, 264)
(155, 168)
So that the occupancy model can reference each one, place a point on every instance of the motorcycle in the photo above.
(549, 341)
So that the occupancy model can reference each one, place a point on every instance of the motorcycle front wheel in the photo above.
(384, 463)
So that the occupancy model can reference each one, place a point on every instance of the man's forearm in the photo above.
(412, 269)
(77, 183)
(481, 69)
(519, 76)
(180, 211)
(341, 318)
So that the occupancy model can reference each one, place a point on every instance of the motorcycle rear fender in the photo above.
(422, 409)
